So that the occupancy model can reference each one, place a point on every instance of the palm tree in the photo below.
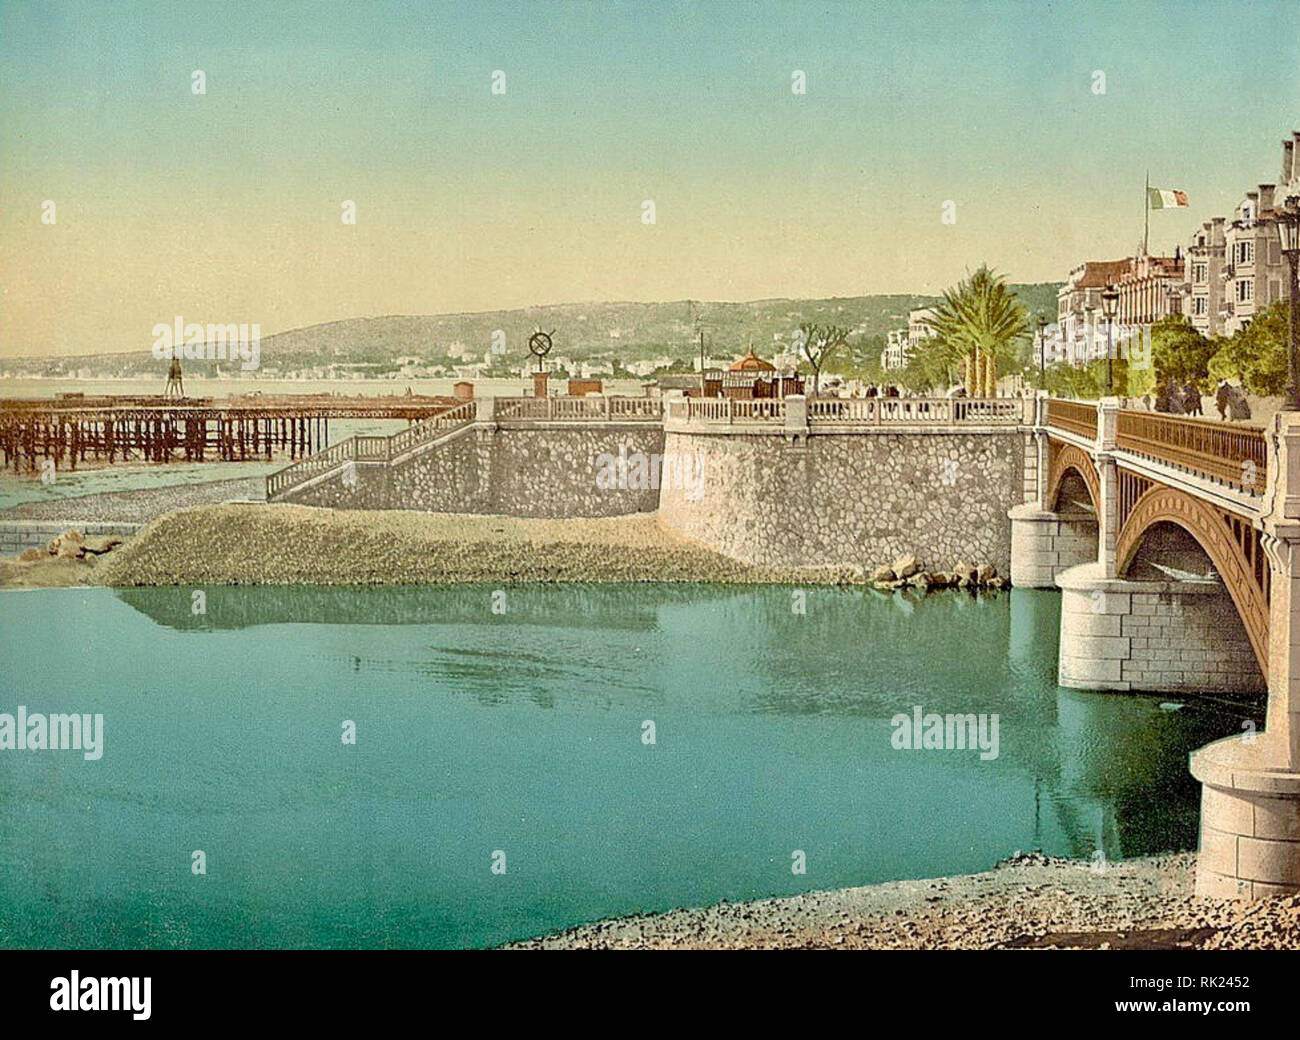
(976, 324)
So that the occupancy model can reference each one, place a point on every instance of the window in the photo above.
(1245, 252)
(1245, 290)
(1200, 273)
(1274, 251)
(1200, 305)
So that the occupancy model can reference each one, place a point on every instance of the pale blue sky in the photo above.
(228, 204)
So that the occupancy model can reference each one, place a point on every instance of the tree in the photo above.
(976, 324)
(818, 344)
(1179, 353)
(1257, 355)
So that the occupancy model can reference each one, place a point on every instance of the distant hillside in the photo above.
(622, 332)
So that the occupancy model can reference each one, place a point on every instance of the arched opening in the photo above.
(1076, 539)
(1168, 552)
(1191, 623)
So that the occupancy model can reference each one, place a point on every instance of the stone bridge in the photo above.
(1176, 544)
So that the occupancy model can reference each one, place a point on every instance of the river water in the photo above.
(485, 738)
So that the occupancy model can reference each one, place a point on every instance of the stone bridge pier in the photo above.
(1176, 547)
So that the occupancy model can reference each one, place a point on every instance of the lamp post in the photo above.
(1288, 231)
(1109, 307)
(1042, 350)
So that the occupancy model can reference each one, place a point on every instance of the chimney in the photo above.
(1288, 162)
(1266, 197)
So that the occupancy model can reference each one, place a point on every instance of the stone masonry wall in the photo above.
(514, 471)
(850, 500)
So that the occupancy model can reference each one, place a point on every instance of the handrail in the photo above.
(1229, 455)
(1074, 416)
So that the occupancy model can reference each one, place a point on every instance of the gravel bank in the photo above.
(1028, 902)
(137, 507)
(284, 544)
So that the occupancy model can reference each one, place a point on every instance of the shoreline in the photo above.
(1029, 901)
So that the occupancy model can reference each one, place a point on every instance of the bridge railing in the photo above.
(1227, 455)
(1075, 416)
(1233, 456)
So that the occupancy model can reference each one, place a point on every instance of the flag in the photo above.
(1163, 198)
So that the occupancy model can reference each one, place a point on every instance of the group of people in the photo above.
(1186, 400)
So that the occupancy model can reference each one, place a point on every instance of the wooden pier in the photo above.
(73, 428)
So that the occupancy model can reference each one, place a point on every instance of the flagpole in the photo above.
(1146, 213)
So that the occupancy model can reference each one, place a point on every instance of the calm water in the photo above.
(522, 733)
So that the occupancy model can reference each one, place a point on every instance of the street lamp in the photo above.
(1109, 307)
(1288, 232)
(1042, 348)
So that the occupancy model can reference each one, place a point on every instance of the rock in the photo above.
(985, 573)
(939, 580)
(963, 571)
(906, 566)
(69, 549)
(921, 582)
(883, 574)
(1001, 582)
(883, 586)
(102, 544)
(28, 555)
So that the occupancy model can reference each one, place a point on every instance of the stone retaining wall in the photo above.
(852, 499)
(538, 469)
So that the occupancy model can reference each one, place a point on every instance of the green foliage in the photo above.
(1257, 355)
(1179, 352)
(978, 314)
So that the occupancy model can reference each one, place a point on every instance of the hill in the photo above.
(624, 333)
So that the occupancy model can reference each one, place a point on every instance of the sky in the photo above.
(226, 206)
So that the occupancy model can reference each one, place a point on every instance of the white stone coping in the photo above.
(1256, 768)
(1089, 577)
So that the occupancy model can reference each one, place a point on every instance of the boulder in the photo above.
(938, 580)
(28, 555)
(883, 574)
(1001, 582)
(964, 572)
(906, 566)
(68, 549)
(102, 544)
(986, 573)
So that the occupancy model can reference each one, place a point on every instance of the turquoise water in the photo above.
(522, 732)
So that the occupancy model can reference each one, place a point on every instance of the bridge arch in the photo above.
(1069, 460)
(1229, 541)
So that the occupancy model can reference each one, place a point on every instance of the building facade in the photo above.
(1254, 276)
(1203, 287)
(1078, 311)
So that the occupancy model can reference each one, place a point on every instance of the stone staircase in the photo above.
(372, 449)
